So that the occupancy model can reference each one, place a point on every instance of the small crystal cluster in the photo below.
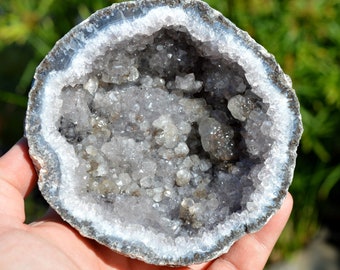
(157, 136)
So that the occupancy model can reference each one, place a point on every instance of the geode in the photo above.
(163, 131)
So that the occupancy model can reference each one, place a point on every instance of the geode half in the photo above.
(163, 131)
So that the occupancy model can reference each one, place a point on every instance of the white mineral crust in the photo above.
(163, 131)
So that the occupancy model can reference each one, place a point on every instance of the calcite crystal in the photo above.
(163, 131)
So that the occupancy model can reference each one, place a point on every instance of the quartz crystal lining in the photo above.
(162, 131)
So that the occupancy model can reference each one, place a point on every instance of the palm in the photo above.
(52, 244)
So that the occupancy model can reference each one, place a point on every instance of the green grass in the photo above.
(304, 36)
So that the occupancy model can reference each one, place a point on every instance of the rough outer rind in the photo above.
(47, 162)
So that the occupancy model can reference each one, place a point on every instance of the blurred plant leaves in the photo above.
(304, 36)
(19, 19)
(329, 182)
(12, 98)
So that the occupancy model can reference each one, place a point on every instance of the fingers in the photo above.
(253, 250)
(16, 168)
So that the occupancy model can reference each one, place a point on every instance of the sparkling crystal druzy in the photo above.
(163, 131)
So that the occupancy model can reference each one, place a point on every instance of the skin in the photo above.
(50, 243)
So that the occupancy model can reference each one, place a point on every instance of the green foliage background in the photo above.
(304, 35)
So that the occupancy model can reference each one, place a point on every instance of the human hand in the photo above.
(50, 243)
